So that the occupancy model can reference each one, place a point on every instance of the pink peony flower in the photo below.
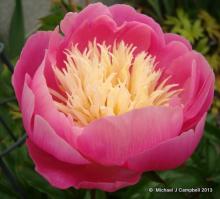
(110, 98)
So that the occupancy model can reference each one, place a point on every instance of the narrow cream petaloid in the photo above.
(109, 80)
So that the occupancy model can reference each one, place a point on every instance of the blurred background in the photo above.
(196, 20)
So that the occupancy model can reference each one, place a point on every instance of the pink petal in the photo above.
(170, 37)
(168, 154)
(45, 107)
(72, 21)
(180, 68)
(192, 72)
(68, 21)
(112, 140)
(124, 13)
(140, 35)
(54, 58)
(102, 29)
(203, 101)
(45, 138)
(107, 186)
(171, 51)
(64, 175)
(191, 85)
(31, 57)
(27, 104)
(189, 65)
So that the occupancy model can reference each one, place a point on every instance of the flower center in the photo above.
(109, 80)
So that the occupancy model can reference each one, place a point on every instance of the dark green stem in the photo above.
(14, 146)
(8, 130)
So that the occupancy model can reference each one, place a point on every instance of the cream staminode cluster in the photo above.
(109, 80)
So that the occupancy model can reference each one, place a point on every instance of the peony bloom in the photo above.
(109, 98)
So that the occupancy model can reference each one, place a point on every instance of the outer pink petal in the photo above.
(124, 13)
(27, 104)
(104, 29)
(45, 138)
(54, 58)
(180, 68)
(112, 140)
(171, 51)
(45, 107)
(170, 37)
(31, 57)
(192, 72)
(203, 101)
(100, 22)
(68, 21)
(73, 20)
(170, 153)
(107, 186)
(63, 175)
(140, 35)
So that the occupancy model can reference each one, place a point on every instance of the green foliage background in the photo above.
(196, 20)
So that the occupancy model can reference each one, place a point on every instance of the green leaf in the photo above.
(32, 179)
(185, 177)
(17, 33)
(153, 176)
(100, 195)
(214, 61)
(210, 24)
(50, 22)
(183, 25)
(137, 191)
(202, 45)
(212, 129)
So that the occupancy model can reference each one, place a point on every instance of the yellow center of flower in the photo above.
(109, 80)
